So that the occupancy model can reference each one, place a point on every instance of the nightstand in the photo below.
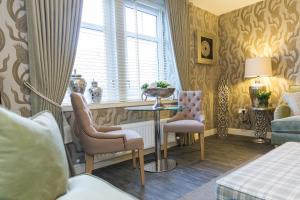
(262, 122)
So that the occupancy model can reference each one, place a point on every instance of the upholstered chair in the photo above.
(104, 139)
(188, 121)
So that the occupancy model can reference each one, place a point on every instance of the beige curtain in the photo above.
(178, 18)
(53, 30)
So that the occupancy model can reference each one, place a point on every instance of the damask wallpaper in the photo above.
(269, 28)
(204, 77)
(14, 56)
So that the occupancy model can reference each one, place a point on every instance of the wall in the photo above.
(203, 77)
(269, 28)
(14, 56)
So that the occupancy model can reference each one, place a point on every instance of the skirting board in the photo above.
(236, 131)
(80, 168)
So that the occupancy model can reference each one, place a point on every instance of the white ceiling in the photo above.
(219, 7)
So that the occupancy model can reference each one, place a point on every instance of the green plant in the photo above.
(162, 84)
(263, 95)
(145, 86)
(157, 84)
(263, 98)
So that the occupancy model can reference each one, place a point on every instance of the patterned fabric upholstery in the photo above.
(191, 101)
(273, 176)
(189, 120)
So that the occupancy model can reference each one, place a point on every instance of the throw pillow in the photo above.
(293, 101)
(33, 162)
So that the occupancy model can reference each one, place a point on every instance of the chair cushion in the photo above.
(288, 124)
(133, 141)
(184, 126)
(86, 187)
(293, 101)
(32, 158)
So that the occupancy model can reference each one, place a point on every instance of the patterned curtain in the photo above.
(53, 30)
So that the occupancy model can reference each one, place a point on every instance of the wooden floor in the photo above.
(221, 156)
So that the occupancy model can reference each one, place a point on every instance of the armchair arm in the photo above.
(282, 111)
(99, 135)
(107, 128)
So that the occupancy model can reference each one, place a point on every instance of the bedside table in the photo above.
(262, 122)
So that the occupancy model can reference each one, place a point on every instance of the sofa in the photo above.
(286, 123)
(34, 165)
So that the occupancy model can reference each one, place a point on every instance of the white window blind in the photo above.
(122, 46)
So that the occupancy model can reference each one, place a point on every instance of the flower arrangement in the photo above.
(263, 98)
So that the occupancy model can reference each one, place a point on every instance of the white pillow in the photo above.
(293, 101)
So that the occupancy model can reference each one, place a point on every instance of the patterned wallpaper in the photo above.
(203, 77)
(14, 56)
(269, 28)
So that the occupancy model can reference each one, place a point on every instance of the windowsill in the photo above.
(95, 106)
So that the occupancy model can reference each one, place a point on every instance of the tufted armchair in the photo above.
(189, 120)
(103, 139)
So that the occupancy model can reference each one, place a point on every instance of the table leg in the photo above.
(159, 165)
(260, 126)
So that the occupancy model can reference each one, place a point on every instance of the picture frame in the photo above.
(206, 48)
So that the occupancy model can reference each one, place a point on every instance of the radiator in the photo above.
(146, 130)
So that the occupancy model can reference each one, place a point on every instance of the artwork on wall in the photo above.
(206, 48)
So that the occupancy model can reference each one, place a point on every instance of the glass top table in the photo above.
(160, 164)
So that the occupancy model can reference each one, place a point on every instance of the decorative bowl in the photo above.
(158, 93)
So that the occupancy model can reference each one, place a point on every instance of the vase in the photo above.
(95, 92)
(222, 109)
(77, 83)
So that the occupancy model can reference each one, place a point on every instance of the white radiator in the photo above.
(146, 130)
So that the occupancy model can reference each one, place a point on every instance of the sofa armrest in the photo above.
(282, 111)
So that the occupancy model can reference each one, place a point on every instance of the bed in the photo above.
(273, 176)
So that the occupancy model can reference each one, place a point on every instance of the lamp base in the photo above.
(253, 90)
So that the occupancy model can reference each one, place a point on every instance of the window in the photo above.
(121, 46)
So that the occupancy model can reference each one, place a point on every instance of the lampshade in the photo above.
(257, 67)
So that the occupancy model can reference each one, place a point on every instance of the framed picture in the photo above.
(206, 48)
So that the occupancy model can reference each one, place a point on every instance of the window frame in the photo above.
(113, 25)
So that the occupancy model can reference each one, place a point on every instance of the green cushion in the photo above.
(282, 111)
(288, 124)
(33, 162)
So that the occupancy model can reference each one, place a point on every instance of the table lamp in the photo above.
(256, 68)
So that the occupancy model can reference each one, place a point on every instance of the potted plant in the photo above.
(263, 98)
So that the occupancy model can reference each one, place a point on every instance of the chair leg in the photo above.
(141, 160)
(165, 144)
(89, 163)
(133, 159)
(201, 141)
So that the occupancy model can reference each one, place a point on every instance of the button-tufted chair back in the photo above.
(192, 105)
